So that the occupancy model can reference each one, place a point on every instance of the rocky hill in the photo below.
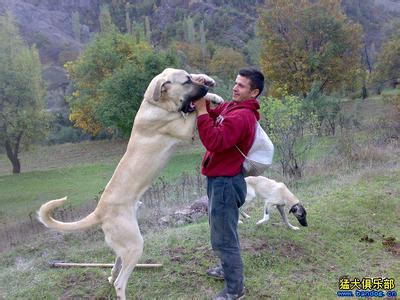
(48, 25)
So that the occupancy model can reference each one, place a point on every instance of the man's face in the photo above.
(242, 89)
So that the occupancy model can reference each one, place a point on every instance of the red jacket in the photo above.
(229, 124)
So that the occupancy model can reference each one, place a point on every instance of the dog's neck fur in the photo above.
(142, 164)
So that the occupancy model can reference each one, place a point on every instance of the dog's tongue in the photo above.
(192, 107)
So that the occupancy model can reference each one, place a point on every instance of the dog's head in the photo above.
(300, 213)
(175, 90)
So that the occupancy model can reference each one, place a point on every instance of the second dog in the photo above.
(274, 194)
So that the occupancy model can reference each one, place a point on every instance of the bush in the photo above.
(292, 130)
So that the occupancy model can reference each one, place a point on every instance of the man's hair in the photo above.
(255, 76)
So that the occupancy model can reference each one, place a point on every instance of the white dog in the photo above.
(163, 120)
(274, 194)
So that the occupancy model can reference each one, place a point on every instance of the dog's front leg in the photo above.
(214, 98)
(267, 210)
(285, 219)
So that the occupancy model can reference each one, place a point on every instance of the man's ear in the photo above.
(160, 88)
(254, 93)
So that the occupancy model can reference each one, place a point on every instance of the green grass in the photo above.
(346, 203)
(279, 263)
(24, 193)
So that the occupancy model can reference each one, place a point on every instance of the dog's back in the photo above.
(269, 190)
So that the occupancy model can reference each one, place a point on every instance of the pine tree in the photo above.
(128, 21)
(203, 44)
(189, 31)
(147, 29)
(76, 26)
(105, 20)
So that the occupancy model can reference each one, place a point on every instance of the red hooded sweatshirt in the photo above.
(229, 124)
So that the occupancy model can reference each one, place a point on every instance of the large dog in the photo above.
(274, 194)
(162, 121)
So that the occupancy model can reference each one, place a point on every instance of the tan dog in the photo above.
(274, 194)
(162, 121)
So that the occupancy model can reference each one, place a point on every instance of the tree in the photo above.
(303, 41)
(203, 44)
(76, 26)
(22, 109)
(110, 79)
(128, 22)
(105, 20)
(189, 31)
(226, 62)
(147, 29)
(387, 69)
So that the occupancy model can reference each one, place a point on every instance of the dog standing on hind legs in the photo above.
(274, 194)
(163, 120)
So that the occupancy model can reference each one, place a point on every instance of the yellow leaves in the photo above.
(83, 118)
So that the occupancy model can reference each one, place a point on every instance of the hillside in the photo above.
(48, 25)
(352, 202)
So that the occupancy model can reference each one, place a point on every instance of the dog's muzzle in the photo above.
(188, 103)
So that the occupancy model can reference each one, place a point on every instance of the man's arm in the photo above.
(201, 107)
(223, 136)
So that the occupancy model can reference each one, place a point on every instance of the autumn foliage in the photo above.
(308, 41)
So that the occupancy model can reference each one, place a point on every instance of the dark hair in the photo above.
(255, 76)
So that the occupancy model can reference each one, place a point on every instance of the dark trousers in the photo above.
(226, 195)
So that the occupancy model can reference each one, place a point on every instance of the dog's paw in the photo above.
(262, 221)
(294, 228)
(203, 79)
(111, 280)
(240, 222)
(214, 98)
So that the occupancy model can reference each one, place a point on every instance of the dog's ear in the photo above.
(160, 88)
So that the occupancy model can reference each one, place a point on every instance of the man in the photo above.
(221, 129)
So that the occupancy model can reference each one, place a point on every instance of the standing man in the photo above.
(221, 129)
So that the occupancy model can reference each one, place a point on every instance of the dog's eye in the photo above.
(188, 81)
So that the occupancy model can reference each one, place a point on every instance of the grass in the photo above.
(306, 264)
(23, 194)
(353, 208)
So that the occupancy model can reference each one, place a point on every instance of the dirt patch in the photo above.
(287, 249)
(77, 285)
(392, 245)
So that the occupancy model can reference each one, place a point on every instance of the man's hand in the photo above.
(201, 107)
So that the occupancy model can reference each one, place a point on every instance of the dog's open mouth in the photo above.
(191, 107)
(187, 107)
(188, 104)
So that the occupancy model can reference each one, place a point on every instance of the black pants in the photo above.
(226, 195)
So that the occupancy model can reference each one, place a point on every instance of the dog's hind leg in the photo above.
(267, 210)
(115, 270)
(130, 253)
(284, 217)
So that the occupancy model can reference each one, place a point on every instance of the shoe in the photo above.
(224, 295)
(216, 273)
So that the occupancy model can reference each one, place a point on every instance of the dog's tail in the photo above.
(44, 216)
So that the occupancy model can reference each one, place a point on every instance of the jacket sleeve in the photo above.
(217, 138)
